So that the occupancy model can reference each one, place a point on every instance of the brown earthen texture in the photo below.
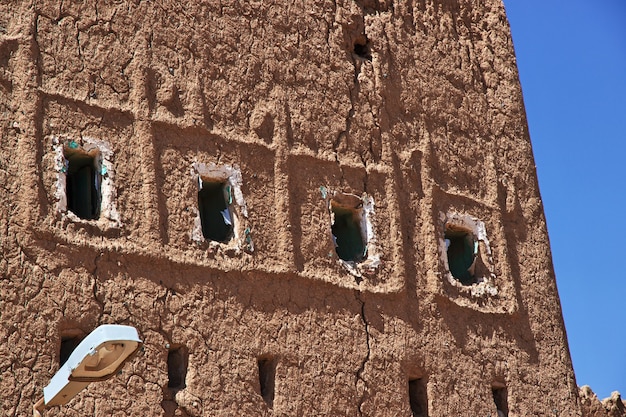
(413, 107)
(612, 406)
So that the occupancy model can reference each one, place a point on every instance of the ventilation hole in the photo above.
(83, 184)
(461, 250)
(177, 361)
(500, 398)
(267, 376)
(215, 215)
(348, 233)
(68, 344)
(418, 398)
(362, 50)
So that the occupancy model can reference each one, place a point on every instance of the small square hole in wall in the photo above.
(267, 377)
(348, 229)
(362, 49)
(177, 362)
(461, 249)
(418, 398)
(85, 189)
(83, 182)
(501, 401)
(214, 199)
(68, 344)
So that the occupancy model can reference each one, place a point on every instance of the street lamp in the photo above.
(97, 358)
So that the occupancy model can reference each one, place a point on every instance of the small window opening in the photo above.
(362, 49)
(418, 398)
(462, 249)
(177, 362)
(68, 344)
(83, 183)
(500, 398)
(214, 199)
(267, 376)
(348, 232)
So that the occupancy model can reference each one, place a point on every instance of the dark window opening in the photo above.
(362, 50)
(348, 233)
(418, 398)
(213, 203)
(68, 344)
(502, 404)
(461, 250)
(83, 184)
(177, 362)
(267, 376)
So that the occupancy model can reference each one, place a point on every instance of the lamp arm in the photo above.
(38, 407)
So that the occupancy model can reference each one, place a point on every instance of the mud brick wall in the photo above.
(409, 109)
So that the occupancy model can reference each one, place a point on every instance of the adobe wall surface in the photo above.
(424, 117)
(612, 406)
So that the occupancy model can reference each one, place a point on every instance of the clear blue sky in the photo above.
(572, 61)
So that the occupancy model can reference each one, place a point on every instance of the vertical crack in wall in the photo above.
(354, 94)
(95, 283)
(359, 373)
(366, 173)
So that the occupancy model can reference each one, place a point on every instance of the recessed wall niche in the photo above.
(471, 265)
(206, 186)
(332, 204)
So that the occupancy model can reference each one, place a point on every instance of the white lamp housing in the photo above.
(97, 358)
